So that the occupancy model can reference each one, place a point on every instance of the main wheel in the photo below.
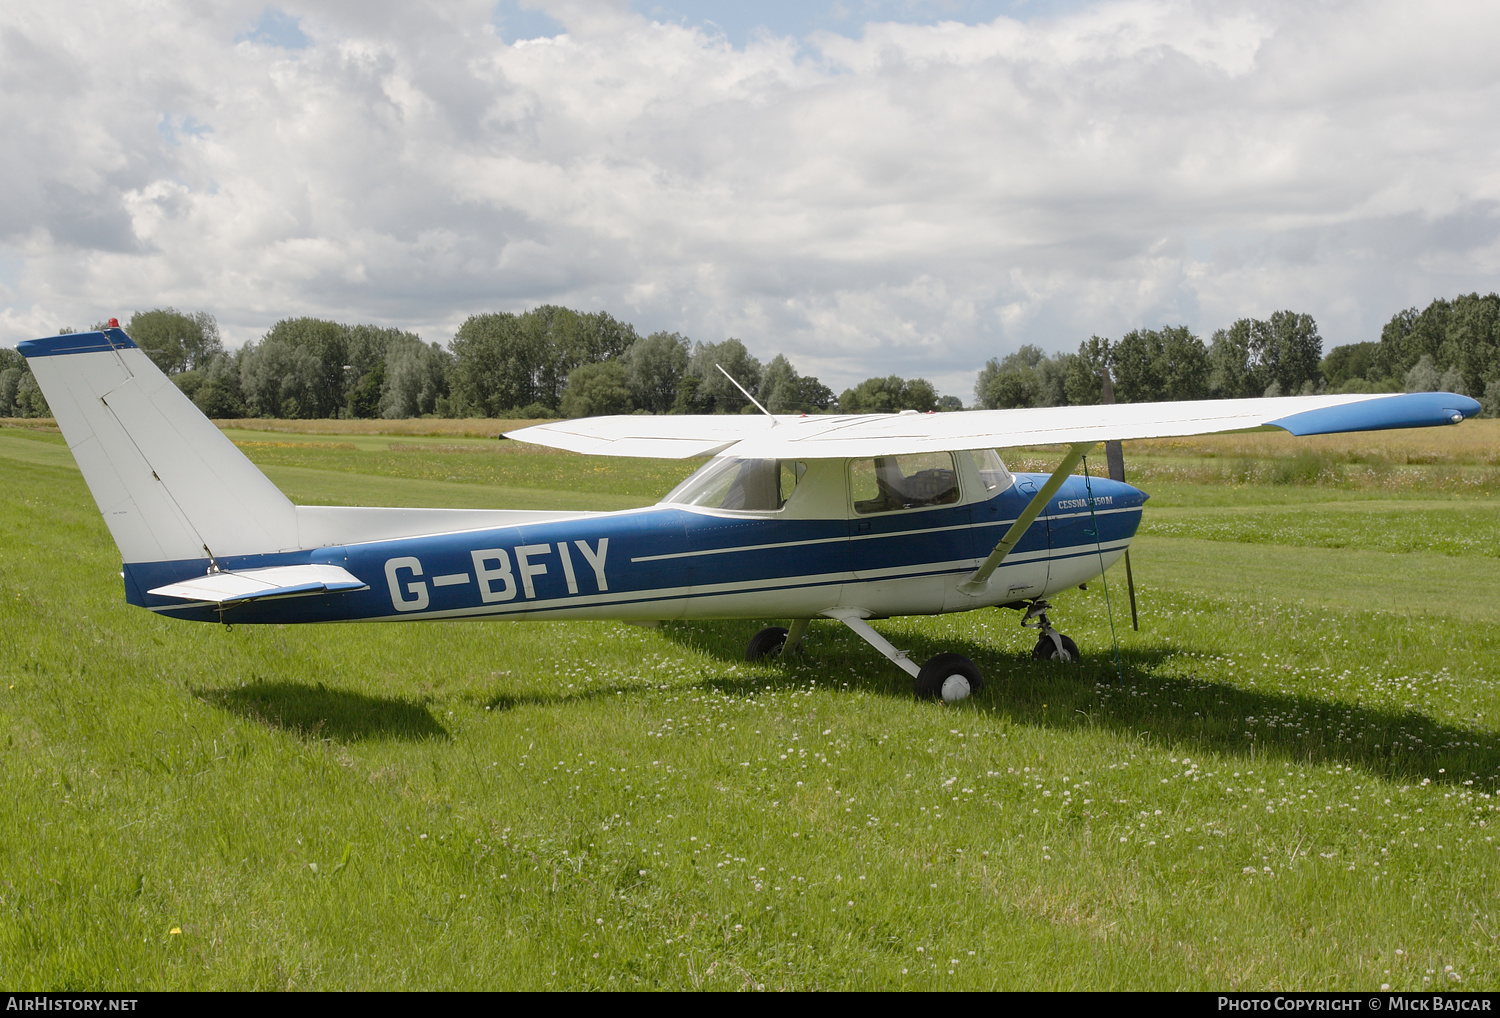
(766, 643)
(1046, 649)
(948, 677)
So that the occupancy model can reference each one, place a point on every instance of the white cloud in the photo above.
(914, 199)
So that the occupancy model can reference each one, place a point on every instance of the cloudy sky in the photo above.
(870, 186)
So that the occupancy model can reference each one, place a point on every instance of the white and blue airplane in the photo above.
(850, 518)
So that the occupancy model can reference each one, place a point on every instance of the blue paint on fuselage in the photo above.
(672, 559)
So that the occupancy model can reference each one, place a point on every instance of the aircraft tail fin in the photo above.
(171, 486)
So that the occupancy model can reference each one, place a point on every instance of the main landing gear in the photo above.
(775, 641)
(946, 677)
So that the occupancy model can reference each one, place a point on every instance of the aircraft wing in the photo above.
(672, 436)
(835, 437)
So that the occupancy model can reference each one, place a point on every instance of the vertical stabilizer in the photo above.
(168, 482)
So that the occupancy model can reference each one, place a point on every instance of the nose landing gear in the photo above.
(1050, 644)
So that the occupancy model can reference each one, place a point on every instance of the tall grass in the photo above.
(1289, 782)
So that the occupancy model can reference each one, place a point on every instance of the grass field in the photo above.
(1288, 779)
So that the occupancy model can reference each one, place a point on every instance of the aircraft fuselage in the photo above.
(674, 562)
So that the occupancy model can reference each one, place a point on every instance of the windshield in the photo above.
(991, 471)
(749, 485)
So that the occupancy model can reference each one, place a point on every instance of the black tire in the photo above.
(1046, 650)
(940, 668)
(766, 643)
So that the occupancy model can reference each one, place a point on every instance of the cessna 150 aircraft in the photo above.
(849, 518)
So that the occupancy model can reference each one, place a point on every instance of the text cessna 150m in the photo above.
(841, 517)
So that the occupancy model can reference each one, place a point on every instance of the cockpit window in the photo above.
(888, 483)
(748, 485)
(991, 471)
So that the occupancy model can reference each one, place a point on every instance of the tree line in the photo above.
(552, 361)
(1451, 346)
(549, 361)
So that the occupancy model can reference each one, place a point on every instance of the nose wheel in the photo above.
(1050, 644)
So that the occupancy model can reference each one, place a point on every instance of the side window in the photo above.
(791, 473)
(889, 483)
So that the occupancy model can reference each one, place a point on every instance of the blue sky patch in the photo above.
(739, 21)
(276, 28)
(516, 23)
(172, 128)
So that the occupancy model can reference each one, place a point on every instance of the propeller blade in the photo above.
(1114, 455)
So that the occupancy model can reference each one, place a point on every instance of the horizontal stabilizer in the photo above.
(258, 584)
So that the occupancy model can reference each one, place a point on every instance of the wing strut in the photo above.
(977, 584)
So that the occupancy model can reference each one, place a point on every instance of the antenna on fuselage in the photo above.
(751, 398)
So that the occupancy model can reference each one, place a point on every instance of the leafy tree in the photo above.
(688, 401)
(1232, 374)
(1025, 378)
(218, 401)
(783, 391)
(1424, 375)
(176, 340)
(364, 398)
(597, 389)
(219, 395)
(814, 397)
(1472, 344)
(889, 394)
(654, 368)
(1251, 355)
(948, 404)
(569, 339)
(28, 399)
(1083, 373)
(10, 379)
(416, 378)
(12, 367)
(1165, 364)
(300, 369)
(1490, 404)
(779, 386)
(495, 364)
(713, 392)
(505, 361)
(1289, 348)
(1460, 337)
(1410, 334)
(1353, 363)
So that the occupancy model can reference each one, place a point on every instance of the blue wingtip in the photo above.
(1382, 413)
(76, 342)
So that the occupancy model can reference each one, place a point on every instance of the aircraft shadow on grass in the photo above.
(1193, 714)
(318, 712)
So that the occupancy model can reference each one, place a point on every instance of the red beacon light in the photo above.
(114, 323)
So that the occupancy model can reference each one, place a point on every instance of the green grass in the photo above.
(1288, 784)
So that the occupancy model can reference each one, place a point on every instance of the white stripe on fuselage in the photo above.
(870, 537)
